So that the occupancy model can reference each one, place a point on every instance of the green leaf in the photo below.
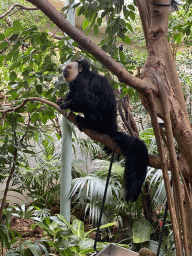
(178, 38)
(34, 117)
(3, 45)
(13, 38)
(38, 88)
(44, 119)
(86, 251)
(49, 112)
(36, 251)
(26, 85)
(14, 94)
(38, 58)
(11, 149)
(141, 231)
(85, 24)
(64, 220)
(16, 26)
(65, 252)
(132, 15)
(76, 5)
(8, 32)
(1, 60)
(75, 249)
(13, 76)
(80, 10)
(99, 21)
(79, 227)
(101, 227)
(131, 7)
(130, 27)
(125, 12)
(120, 34)
(25, 73)
(33, 106)
(4, 238)
(20, 118)
(188, 30)
(96, 29)
(127, 40)
(122, 56)
(49, 92)
(2, 37)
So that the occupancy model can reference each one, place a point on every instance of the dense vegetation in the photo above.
(29, 162)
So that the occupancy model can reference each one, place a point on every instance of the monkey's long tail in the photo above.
(136, 162)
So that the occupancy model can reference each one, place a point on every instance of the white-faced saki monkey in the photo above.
(91, 94)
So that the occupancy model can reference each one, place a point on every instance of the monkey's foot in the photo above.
(81, 122)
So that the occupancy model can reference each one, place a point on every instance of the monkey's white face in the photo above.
(70, 71)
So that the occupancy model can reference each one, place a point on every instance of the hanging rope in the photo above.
(104, 197)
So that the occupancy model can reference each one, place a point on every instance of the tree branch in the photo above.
(123, 75)
(20, 7)
(164, 168)
(174, 163)
(154, 161)
(26, 131)
(9, 179)
(144, 12)
(124, 120)
(56, 36)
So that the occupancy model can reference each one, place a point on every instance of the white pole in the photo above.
(65, 203)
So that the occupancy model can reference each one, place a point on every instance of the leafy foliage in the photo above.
(42, 182)
(87, 192)
(11, 240)
(67, 238)
(29, 66)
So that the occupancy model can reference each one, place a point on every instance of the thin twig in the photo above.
(24, 135)
(9, 179)
(21, 7)
(124, 120)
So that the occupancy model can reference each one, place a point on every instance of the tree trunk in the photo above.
(171, 107)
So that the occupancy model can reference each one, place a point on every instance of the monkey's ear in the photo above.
(80, 69)
(83, 65)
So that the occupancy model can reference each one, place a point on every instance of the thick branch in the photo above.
(20, 7)
(123, 75)
(144, 12)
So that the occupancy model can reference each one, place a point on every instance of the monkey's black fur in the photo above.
(92, 95)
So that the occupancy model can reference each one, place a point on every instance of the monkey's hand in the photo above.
(63, 103)
(60, 101)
